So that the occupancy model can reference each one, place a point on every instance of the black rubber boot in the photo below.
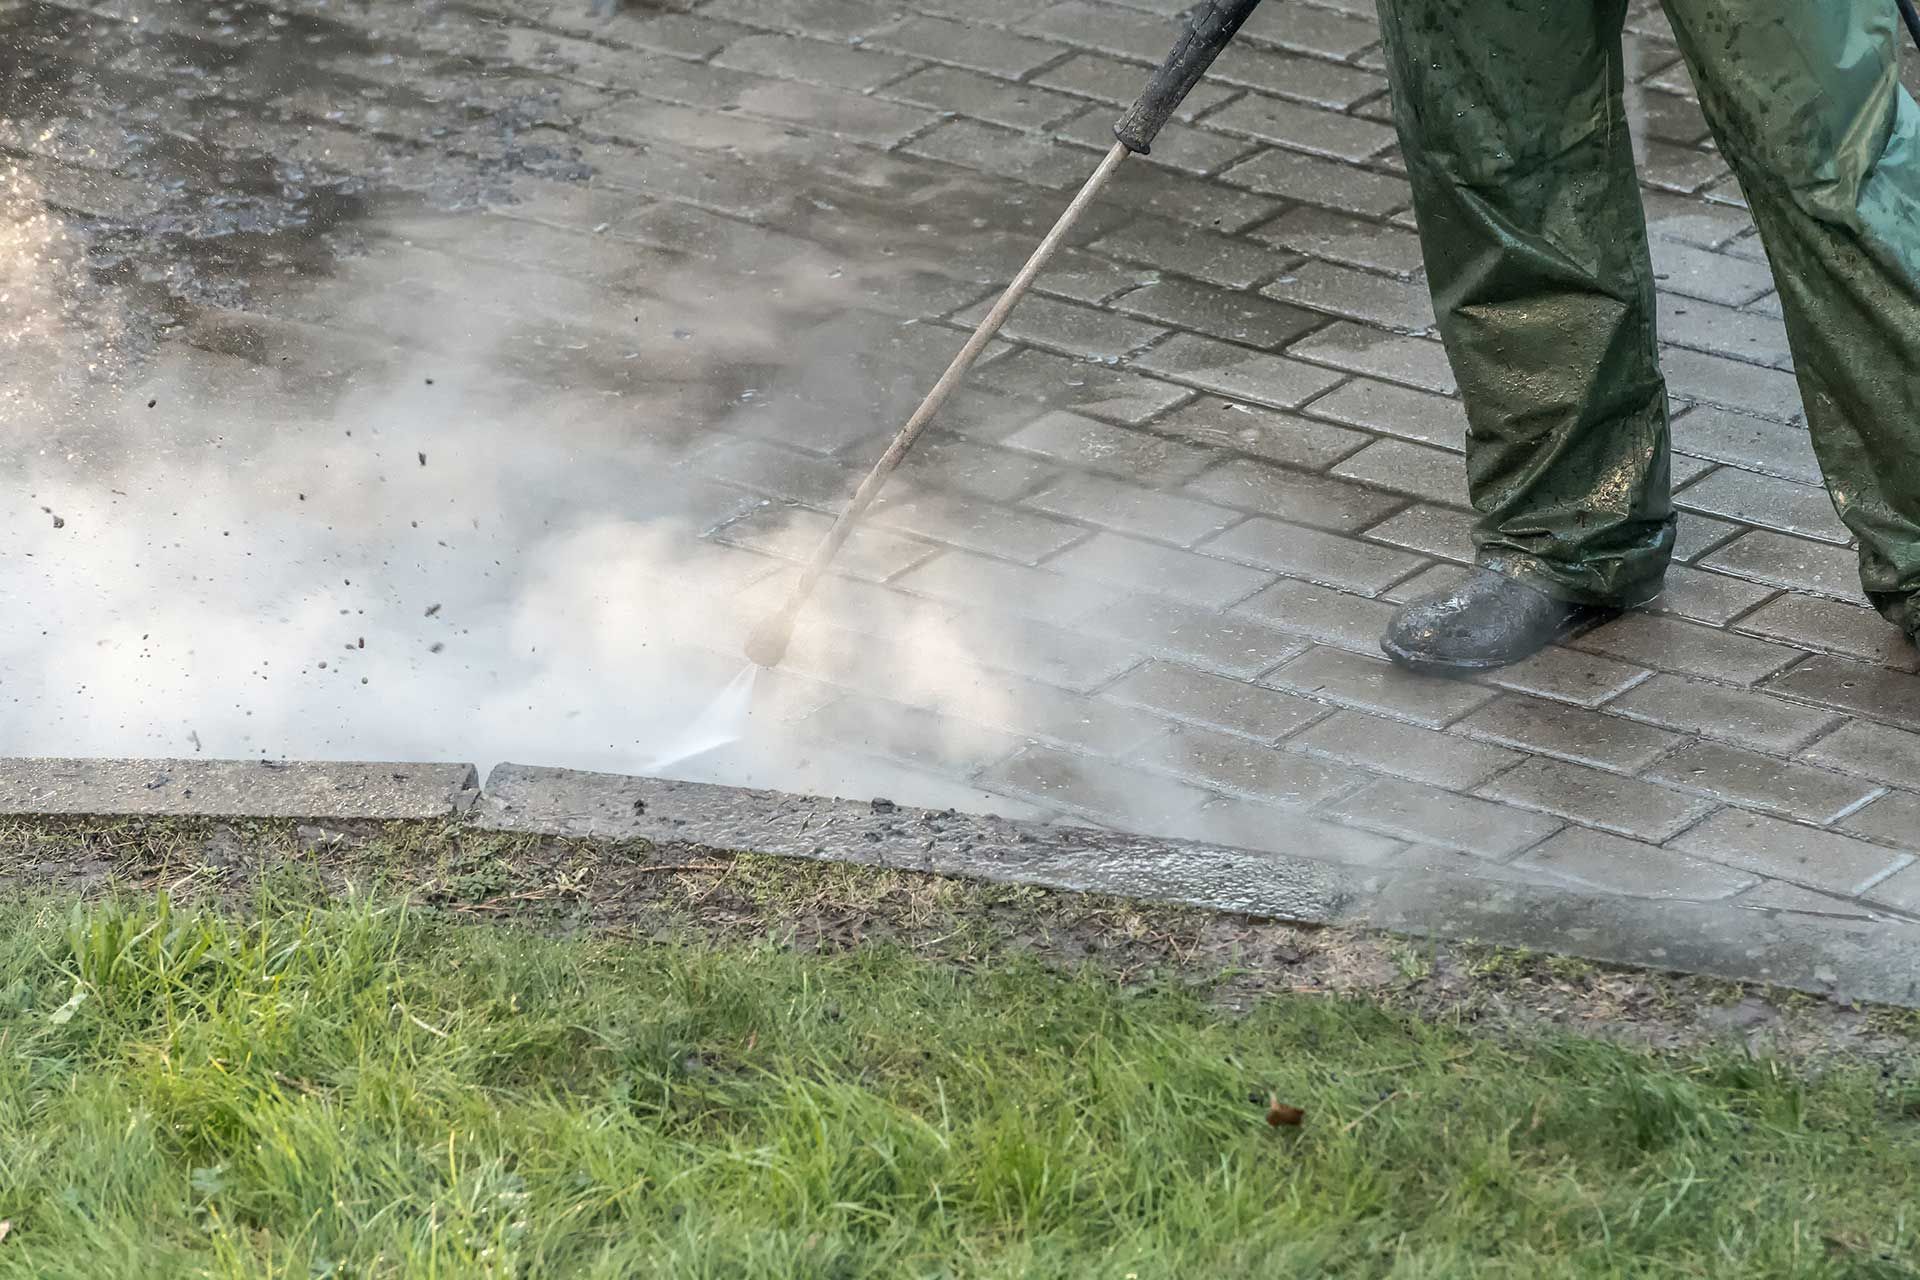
(1489, 620)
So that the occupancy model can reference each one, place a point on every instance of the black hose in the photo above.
(1910, 16)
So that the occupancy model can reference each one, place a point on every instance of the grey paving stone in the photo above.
(1440, 532)
(1069, 329)
(1004, 153)
(1017, 106)
(1870, 750)
(1214, 702)
(1239, 767)
(1783, 505)
(1777, 896)
(1403, 750)
(1742, 335)
(1754, 781)
(1693, 222)
(942, 461)
(1747, 717)
(910, 734)
(1372, 684)
(1872, 692)
(1567, 675)
(1106, 28)
(1317, 181)
(1412, 469)
(1731, 384)
(834, 111)
(1031, 709)
(1323, 32)
(1146, 566)
(970, 45)
(1038, 593)
(1325, 84)
(1264, 433)
(839, 65)
(786, 474)
(1132, 799)
(975, 525)
(1396, 411)
(1088, 277)
(1595, 798)
(1336, 237)
(1704, 596)
(1119, 83)
(1795, 563)
(1430, 580)
(793, 534)
(1321, 614)
(1301, 128)
(1138, 456)
(717, 182)
(1248, 824)
(839, 18)
(1901, 890)
(1223, 644)
(237, 788)
(1568, 733)
(1213, 204)
(684, 35)
(1416, 362)
(1829, 626)
(1176, 146)
(1447, 819)
(1005, 641)
(1698, 534)
(1228, 370)
(1786, 850)
(1699, 273)
(1679, 169)
(1129, 508)
(1616, 865)
(1687, 648)
(1060, 383)
(1398, 305)
(950, 664)
(1192, 251)
(1221, 313)
(846, 604)
(1314, 556)
(1298, 497)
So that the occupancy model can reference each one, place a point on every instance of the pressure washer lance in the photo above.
(1208, 31)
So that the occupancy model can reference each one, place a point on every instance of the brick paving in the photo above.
(1157, 538)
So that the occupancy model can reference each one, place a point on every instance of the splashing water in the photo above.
(723, 722)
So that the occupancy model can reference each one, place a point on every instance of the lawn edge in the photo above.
(1871, 960)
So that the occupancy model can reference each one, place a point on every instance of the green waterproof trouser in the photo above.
(1515, 136)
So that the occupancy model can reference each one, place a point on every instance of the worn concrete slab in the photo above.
(237, 788)
(1849, 957)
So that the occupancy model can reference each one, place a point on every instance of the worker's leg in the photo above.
(1511, 121)
(1808, 110)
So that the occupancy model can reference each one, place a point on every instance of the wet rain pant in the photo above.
(1511, 121)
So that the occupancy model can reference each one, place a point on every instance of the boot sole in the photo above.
(1426, 664)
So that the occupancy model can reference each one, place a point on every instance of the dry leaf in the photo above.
(1279, 1113)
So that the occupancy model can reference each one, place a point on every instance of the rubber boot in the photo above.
(1488, 620)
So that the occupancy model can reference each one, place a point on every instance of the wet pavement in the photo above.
(391, 381)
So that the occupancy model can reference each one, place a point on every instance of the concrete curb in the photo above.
(1848, 958)
(236, 788)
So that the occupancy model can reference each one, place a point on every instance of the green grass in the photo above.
(362, 1090)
